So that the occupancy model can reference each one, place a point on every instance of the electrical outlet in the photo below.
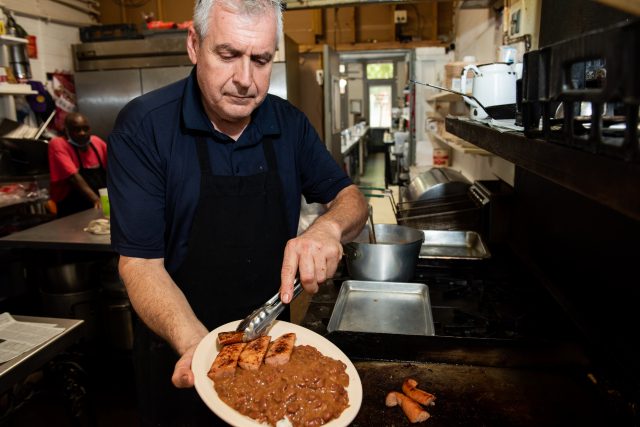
(400, 16)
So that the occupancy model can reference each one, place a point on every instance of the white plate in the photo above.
(207, 351)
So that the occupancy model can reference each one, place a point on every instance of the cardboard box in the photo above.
(303, 25)
(453, 70)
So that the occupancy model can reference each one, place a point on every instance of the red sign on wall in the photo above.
(32, 47)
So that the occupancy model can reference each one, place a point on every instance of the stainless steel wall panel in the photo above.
(101, 95)
(278, 83)
(155, 78)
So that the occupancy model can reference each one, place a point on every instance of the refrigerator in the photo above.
(110, 74)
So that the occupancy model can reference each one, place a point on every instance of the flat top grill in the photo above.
(484, 396)
(504, 354)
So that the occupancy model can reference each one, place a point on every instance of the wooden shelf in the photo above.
(16, 89)
(459, 145)
(445, 97)
(12, 40)
(607, 180)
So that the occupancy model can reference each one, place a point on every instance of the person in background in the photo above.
(206, 177)
(77, 167)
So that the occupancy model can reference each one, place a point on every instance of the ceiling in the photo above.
(311, 4)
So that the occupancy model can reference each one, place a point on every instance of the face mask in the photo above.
(79, 144)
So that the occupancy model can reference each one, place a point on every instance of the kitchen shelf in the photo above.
(612, 182)
(16, 89)
(459, 145)
(445, 97)
(12, 40)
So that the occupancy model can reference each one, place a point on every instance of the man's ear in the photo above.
(193, 45)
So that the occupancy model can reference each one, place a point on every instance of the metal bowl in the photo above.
(69, 278)
(392, 258)
(437, 183)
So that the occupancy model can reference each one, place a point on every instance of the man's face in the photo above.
(79, 130)
(234, 63)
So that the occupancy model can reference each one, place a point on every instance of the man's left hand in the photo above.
(315, 254)
(182, 374)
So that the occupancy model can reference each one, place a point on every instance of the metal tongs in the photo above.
(259, 321)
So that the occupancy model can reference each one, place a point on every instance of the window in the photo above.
(380, 71)
(380, 106)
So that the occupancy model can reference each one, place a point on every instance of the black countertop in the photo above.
(62, 233)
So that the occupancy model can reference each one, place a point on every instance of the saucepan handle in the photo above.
(350, 251)
(463, 76)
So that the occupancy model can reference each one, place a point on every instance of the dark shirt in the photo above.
(154, 175)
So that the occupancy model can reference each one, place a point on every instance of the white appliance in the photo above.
(494, 89)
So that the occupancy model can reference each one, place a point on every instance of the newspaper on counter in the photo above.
(17, 337)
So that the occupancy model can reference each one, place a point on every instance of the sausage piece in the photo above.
(409, 387)
(253, 354)
(233, 337)
(280, 350)
(226, 361)
(412, 409)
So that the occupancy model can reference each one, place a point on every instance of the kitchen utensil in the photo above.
(453, 244)
(372, 231)
(435, 184)
(258, 322)
(367, 306)
(494, 85)
(392, 258)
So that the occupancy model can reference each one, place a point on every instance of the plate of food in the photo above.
(292, 377)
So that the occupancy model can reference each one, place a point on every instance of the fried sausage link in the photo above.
(412, 409)
(409, 387)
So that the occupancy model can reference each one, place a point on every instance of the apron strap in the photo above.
(203, 156)
(80, 158)
(269, 153)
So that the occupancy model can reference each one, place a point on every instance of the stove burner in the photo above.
(487, 301)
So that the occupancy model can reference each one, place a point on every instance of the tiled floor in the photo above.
(374, 171)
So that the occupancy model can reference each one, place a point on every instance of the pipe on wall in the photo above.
(159, 9)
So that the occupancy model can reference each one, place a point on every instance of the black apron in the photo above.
(96, 178)
(233, 263)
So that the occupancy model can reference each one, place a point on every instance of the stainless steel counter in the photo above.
(18, 368)
(63, 233)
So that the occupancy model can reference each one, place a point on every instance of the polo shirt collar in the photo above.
(195, 118)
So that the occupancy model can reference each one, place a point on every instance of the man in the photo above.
(77, 167)
(205, 184)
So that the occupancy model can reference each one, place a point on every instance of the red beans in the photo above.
(309, 390)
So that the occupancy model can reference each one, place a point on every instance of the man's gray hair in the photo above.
(246, 7)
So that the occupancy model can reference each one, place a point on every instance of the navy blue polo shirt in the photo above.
(154, 174)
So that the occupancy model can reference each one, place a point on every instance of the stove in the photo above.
(488, 299)
(503, 348)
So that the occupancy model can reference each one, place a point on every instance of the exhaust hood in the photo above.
(161, 51)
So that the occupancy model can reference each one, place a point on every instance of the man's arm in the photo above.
(315, 254)
(78, 181)
(164, 309)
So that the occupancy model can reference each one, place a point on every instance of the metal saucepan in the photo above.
(392, 258)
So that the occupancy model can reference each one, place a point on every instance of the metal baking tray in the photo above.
(382, 307)
(445, 244)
